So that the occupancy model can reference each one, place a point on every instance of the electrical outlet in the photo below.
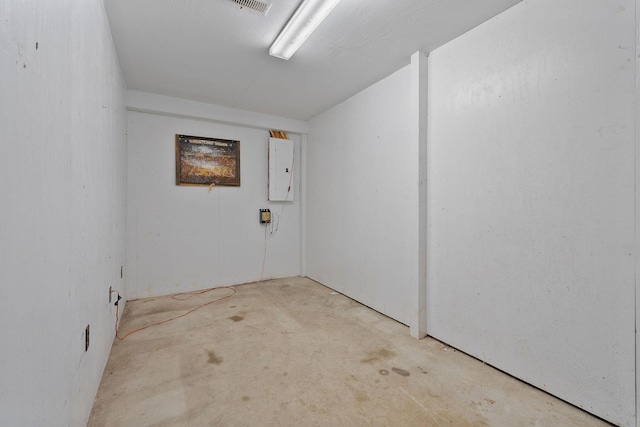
(110, 292)
(86, 338)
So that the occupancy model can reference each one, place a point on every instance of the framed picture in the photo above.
(207, 161)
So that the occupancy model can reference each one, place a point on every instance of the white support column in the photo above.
(302, 176)
(637, 210)
(418, 327)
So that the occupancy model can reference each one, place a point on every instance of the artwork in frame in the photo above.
(207, 161)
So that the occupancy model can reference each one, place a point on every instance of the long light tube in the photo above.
(304, 21)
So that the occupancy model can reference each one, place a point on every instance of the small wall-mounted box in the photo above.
(265, 216)
(280, 170)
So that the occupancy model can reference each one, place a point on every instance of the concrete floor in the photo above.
(293, 352)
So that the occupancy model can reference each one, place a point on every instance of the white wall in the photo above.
(184, 238)
(62, 215)
(531, 198)
(637, 208)
(361, 198)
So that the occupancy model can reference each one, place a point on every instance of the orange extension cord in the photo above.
(180, 297)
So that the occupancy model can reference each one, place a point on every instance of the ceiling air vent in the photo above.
(261, 6)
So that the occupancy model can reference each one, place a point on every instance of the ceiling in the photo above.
(214, 51)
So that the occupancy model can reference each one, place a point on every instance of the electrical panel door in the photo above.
(280, 170)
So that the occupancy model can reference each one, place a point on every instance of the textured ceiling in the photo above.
(217, 52)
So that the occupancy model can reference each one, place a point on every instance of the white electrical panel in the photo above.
(280, 170)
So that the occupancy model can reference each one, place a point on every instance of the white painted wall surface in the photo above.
(181, 238)
(637, 207)
(531, 198)
(62, 214)
(362, 197)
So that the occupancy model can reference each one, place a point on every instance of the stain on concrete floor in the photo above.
(213, 358)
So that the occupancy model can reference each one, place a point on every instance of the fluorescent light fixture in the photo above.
(304, 21)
